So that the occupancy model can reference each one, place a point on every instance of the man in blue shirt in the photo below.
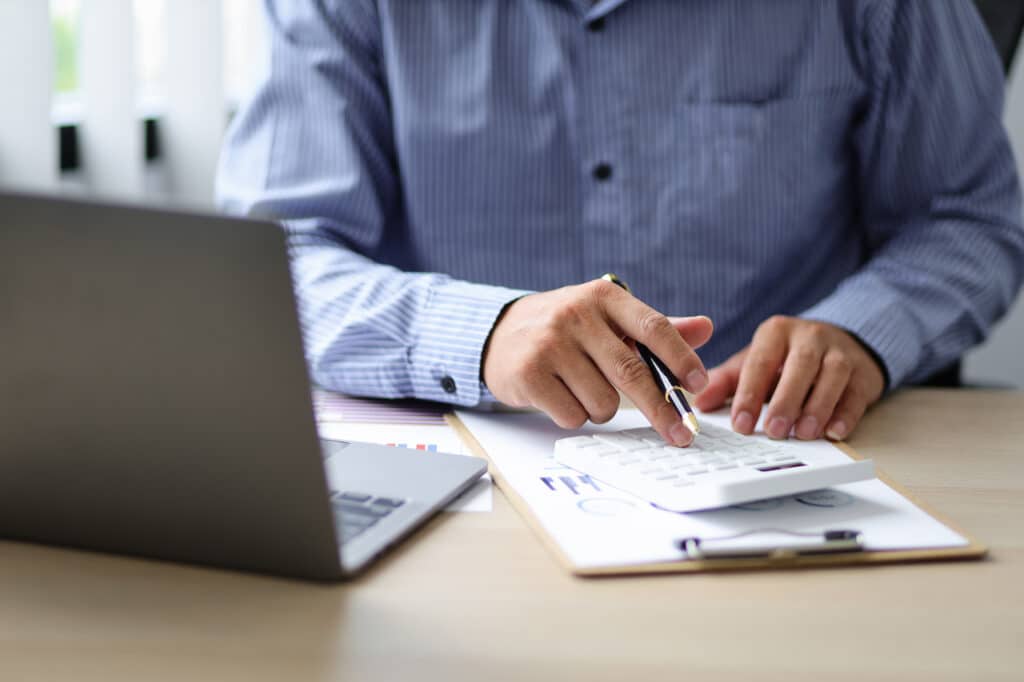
(828, 179)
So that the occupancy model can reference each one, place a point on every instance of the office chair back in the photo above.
(1005, 22)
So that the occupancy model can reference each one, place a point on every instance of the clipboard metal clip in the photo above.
(771, 543)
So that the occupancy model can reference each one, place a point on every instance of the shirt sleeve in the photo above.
(939, 194)
(311, 148)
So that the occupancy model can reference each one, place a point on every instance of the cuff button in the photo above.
(448, 384)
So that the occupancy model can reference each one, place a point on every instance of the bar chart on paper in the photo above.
(572, 482)
(426, 447)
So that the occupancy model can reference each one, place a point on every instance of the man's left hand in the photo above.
(820, 380)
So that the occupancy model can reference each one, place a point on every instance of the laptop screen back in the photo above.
(153, 395)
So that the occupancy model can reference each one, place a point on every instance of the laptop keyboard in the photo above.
(355, 512)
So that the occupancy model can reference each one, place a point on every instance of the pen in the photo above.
(796, 544)
(663, 375)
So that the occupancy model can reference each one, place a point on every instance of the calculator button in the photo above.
(641, 433)
(623, 443)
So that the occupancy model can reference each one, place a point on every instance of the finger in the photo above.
(828, 388)
(758, 374)
(848, 412)
(639, 321)
(548, 394)
(590, 388)
(696, 331)
(722, 382)
(623, 368)
(799, 369)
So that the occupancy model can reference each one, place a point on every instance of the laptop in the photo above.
(154, 401)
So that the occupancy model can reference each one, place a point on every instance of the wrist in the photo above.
(487, 342)
(875, 357)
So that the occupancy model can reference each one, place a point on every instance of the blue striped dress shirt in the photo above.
(432, 160)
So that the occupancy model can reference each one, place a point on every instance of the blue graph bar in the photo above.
(569, 483)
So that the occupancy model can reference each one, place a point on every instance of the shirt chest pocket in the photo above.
(729, 168)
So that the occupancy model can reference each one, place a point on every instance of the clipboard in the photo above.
(825, 551)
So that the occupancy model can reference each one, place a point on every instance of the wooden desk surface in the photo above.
(476, 597)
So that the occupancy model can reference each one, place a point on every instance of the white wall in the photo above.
(1000, 361)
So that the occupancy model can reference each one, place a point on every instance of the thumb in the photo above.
(695, 330)
(722, 383)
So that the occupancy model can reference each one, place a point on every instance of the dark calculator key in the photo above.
(389, 502)
(354, 497)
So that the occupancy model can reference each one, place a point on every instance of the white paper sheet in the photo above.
(425, 437)
(597, 526)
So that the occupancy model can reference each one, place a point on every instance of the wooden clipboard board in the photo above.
(973, 549)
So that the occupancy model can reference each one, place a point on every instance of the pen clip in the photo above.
(795, 544)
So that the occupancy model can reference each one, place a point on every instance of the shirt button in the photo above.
(596, 25)
(448, 384)
(602, 172)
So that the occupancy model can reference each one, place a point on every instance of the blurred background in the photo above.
(129, 100)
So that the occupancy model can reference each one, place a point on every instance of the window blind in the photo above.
(28, 150)
(111, 134)
(195, 116)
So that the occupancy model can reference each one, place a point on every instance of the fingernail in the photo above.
(743, 422)
(836, 430)
(696, 381)
(680, 435)
(778, 427)
(807, 428)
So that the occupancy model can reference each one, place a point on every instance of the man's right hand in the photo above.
(567, 351)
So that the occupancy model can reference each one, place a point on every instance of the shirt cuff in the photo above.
(452, 329)
(879, 320)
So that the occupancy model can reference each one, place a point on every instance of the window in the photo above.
(242, 49)
(64, 17)
(150, 54)
(238, 37)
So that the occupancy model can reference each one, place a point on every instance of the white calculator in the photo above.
(719, 469)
